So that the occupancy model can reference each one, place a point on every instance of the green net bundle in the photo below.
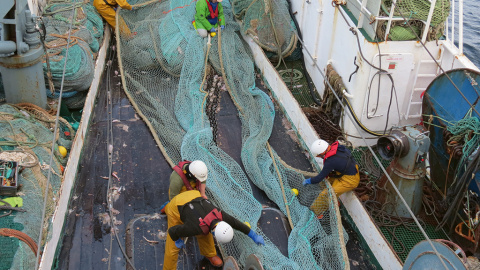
(26, 138)
(165, 67)
(86, 34)
(416, 14)
(269, 23)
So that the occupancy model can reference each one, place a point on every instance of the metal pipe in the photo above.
(7, 47)
(392, 9)
(429, 20)
(347, 94)
(453, 22)
(423, 133)
(460, 26)
(361, 16)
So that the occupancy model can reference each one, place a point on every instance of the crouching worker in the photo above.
(187, 175)
(108, 8)
(190, 215)
(208, 16)
(339, 168)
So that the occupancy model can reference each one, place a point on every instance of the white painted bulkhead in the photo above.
(328, 38)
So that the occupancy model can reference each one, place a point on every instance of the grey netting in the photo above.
(164, 72)
(26, 131)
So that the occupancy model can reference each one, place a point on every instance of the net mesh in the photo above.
(164, 67)
(266, 21)
(26, 131)
(85, 37)
(416, 13)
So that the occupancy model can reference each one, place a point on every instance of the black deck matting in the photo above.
(144, 178)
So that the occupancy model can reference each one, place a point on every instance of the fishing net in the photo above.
(26, 138)
(85, 37)
(416, 14)
(165, 67)
(270, 25)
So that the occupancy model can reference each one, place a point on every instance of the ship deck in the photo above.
(143, 175)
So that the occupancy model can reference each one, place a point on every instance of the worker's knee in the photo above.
(202, 32)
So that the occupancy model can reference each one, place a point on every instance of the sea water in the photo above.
(471, 30)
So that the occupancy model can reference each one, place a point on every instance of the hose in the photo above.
(21, 236)
(364, 128)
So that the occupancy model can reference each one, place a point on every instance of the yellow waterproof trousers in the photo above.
(108, 13)
(340, 186)
(205, 242)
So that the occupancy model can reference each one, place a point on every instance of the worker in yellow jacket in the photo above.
(107, 9)
(189, 214)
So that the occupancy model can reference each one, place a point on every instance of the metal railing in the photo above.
(450, 33)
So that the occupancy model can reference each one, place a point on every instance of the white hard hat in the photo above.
(199, 170)
(318, 147)
(223, 232)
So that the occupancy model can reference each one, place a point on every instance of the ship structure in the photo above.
(94, 119)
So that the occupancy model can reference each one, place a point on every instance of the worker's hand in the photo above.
(258, 239)
(205, 197)
(179, 243)
(213, 30)
(307, 181)
(222, 26)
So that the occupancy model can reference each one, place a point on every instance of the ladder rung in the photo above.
(427, 75)
(429, 61)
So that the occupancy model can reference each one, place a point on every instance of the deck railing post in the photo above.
(429, 20)
(453, 22)
(361, 15)
(389, 24)
(460, 26)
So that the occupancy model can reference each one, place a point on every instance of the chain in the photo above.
(213, 87)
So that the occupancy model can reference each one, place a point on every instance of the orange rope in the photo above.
(20, 235)
(168, 11)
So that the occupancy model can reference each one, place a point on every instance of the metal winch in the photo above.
(408, 147)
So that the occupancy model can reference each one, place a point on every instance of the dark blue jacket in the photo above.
(338, 163)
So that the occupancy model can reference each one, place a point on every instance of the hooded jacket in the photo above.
(203, 14)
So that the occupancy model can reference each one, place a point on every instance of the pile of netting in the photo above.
(165, 68)
(465, 134)
(79, 22)
(416, 14)
(26, 139)
(269, 24)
